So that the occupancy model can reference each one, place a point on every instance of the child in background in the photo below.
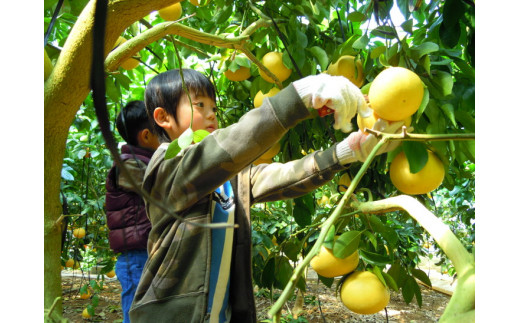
(126, 215)
(196, 274)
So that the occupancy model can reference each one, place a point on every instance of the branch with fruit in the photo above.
(459, 304)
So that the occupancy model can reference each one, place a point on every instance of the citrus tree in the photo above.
(251, 50)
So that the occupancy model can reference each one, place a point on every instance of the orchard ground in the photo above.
(320, 302)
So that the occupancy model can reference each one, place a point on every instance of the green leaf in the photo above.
(371, 237)
(172, 150)
(385, 32)
(376, 224)
(423, 49)
(407, 26)
(449, 111)
(398, 273)
(292, 249)
(268, 274)
(390, 236)
(186, 138)
(199, 135)
(123, 80)
(321, 55)
(112, 90)
(443, 81)
(346, 244)
(408, 289)
(329, 238)
(361, 43)
(411, 289)
(326, 281)
(467, 121)
(303, 210)
(66, 175)
(421, 275)
(376, 52)
(374, 258)
(356, 16)
(283, 272)
(377, 271)
(416, 154)
(390, 282)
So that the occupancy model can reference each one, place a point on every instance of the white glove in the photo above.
(358, 145)
(335, 92)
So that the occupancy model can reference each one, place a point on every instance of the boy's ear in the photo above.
(161, 117)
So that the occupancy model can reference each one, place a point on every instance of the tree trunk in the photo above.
(65, 90)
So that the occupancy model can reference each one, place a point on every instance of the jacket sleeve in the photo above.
(277, 181)
(136, 169)
(199, 169)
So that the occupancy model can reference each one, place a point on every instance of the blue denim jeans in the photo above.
(129, 267)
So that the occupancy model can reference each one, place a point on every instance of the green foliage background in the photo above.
(436, 40)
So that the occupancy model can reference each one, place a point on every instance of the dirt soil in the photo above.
(320, 305)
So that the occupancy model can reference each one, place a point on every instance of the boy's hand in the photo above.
(358, 145)
(335, 92)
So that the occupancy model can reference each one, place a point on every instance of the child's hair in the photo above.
(165, 91)
(131, 120)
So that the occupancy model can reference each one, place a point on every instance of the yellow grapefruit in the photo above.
(422, 182)
(85, 295)
(172, 12)
(243, 73)
(259, 97)
(274, 63)
(79, 233)
(262, 161)
(85, 313)
(275, 149)
(363, 293)
(344, 180)
(111, 274)
(348, 67)
(328, 265)
(396, 93)
(129, 63)
(369, 122)
(69, 263)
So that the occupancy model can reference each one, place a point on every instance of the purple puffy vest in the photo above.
(126, 215)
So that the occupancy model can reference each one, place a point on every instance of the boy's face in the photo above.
(204, 116)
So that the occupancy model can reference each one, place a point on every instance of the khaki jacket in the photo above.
(175, 279)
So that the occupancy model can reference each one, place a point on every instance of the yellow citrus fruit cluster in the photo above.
(274, 63)
(348, 67)
(426, 180)
(328, 265)
(363, 293)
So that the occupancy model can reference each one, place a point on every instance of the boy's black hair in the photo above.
(131, 120)
(165, 90)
